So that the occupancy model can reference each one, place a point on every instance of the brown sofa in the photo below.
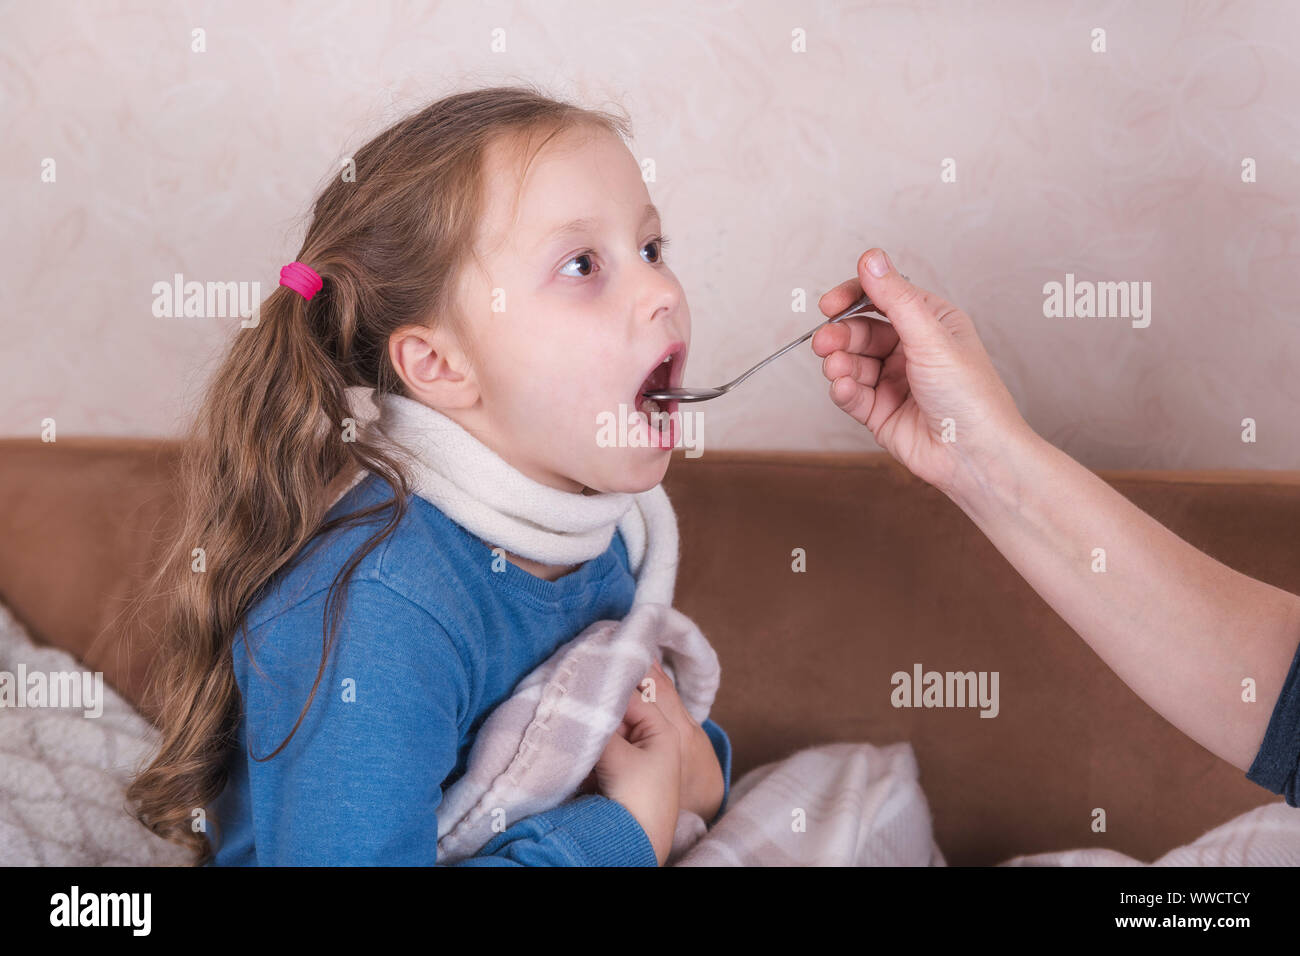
(895, 576)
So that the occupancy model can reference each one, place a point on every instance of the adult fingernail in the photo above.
(878, 264)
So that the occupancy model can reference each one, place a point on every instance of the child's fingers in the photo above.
(669, 700)
(663, 684)
(641, 713)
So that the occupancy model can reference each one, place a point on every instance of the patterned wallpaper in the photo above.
(993, 149)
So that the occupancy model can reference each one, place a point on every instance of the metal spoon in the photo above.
(863, 305)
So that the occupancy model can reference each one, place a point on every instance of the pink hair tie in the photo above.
(302, 279)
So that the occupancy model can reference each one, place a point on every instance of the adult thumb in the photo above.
(916, 324)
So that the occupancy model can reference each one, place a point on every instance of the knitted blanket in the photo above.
(63, 773)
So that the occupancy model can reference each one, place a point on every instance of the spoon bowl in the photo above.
(685, 394)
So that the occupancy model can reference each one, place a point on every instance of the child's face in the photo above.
(568, 325)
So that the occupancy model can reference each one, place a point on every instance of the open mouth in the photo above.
(666, 373)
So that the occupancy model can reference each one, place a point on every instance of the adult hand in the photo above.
(921, 383)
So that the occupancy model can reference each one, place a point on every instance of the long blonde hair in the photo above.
(264, 450)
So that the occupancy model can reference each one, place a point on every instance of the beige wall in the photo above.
(775, 170)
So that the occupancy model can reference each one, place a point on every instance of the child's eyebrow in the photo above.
(587, 223)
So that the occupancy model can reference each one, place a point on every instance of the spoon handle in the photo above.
(863, 304)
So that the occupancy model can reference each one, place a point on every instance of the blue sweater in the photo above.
(430, 642)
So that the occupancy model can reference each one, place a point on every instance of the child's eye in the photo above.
(662, 243)
(579, 256)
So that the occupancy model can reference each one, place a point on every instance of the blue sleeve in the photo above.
(1277, 765)
(722, 746)
(361, 780)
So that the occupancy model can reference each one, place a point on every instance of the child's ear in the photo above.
(434, 366)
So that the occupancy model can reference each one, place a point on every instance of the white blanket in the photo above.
(1266, 836)
(836, 805)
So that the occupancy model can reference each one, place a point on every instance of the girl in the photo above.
(494, 273)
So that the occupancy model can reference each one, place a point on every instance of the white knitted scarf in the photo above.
(480, 491)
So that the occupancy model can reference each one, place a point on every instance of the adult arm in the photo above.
(1180, 628)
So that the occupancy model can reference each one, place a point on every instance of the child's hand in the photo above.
(641, 768)
(702, 783)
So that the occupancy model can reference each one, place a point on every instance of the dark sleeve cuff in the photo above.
(722, 746)
(1276, 764)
